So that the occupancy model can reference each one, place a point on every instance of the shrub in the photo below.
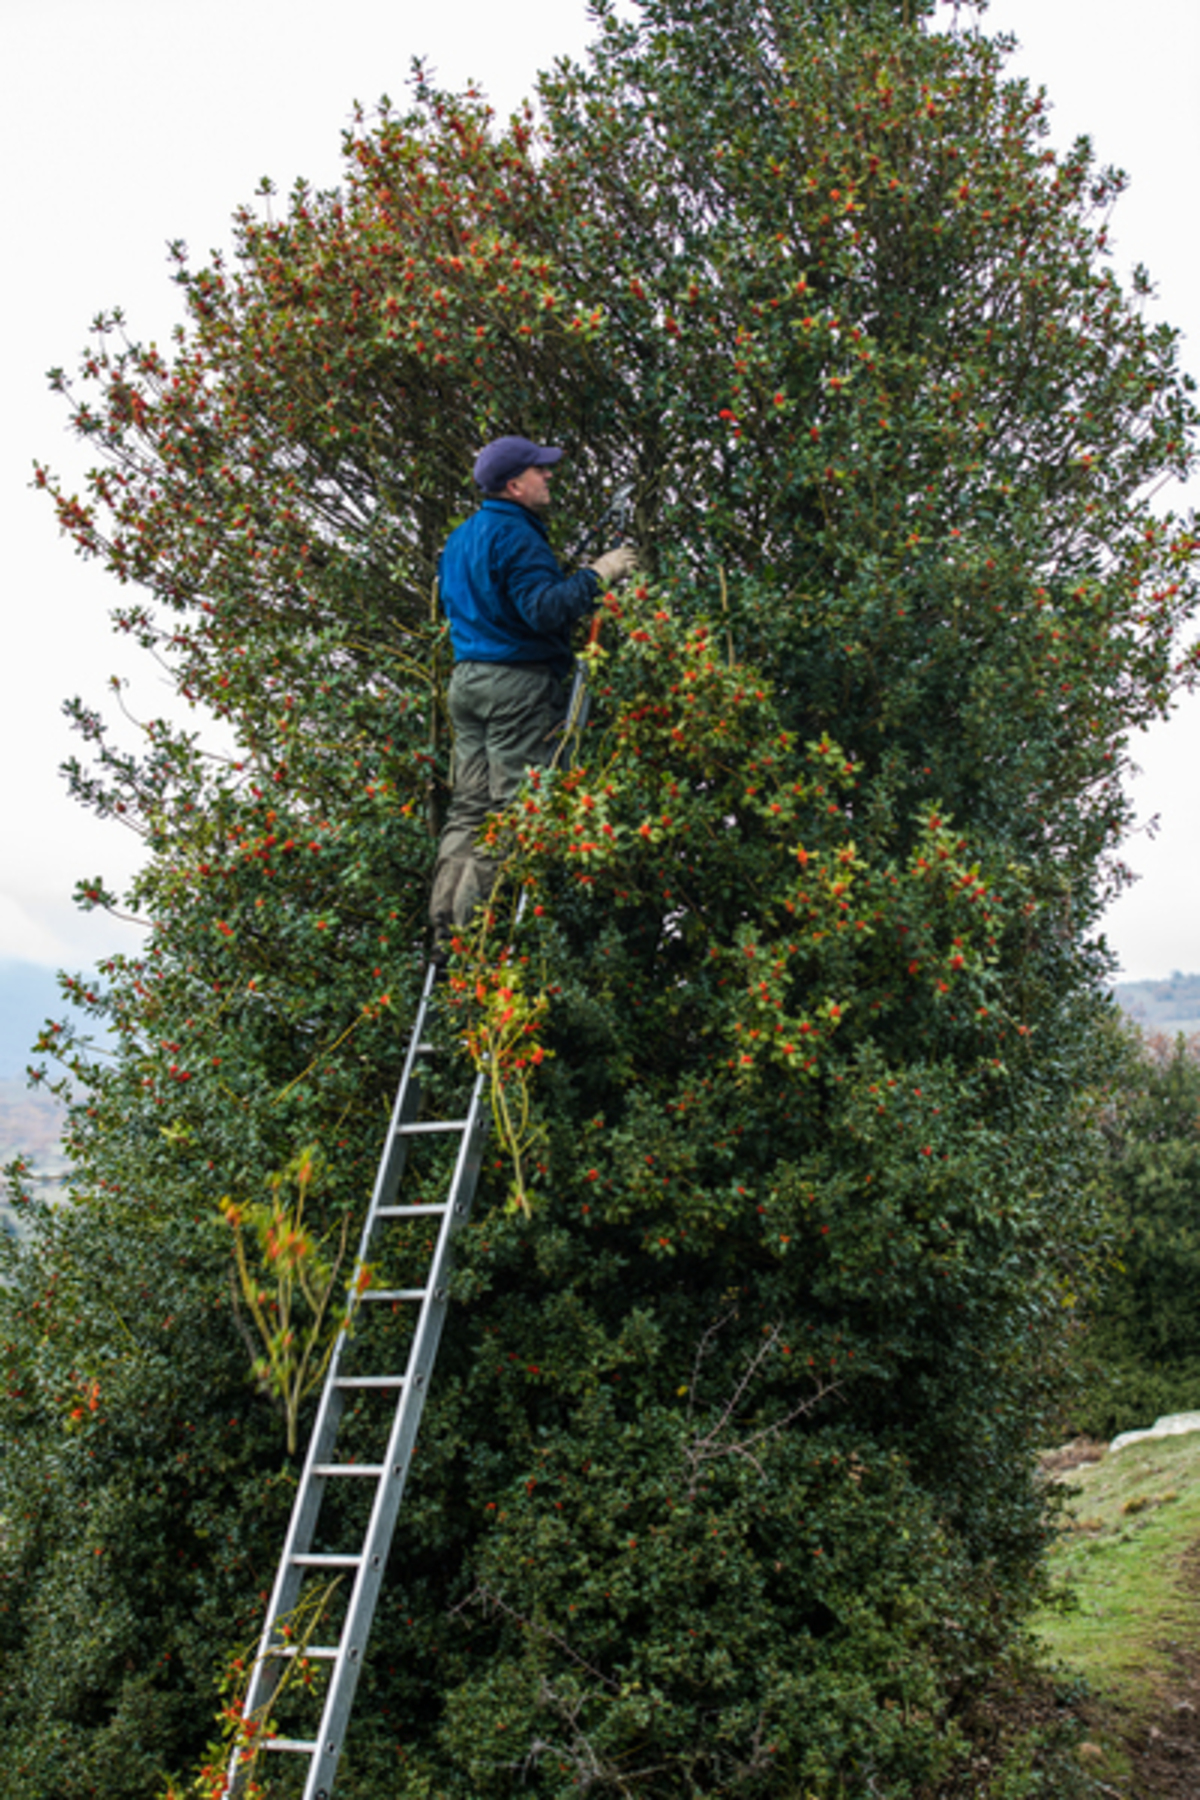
(726, 1484)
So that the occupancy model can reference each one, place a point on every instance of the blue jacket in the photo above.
(504, 594)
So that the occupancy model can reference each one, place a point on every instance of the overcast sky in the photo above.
(127, 124)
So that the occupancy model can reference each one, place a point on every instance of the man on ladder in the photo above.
(511, 610)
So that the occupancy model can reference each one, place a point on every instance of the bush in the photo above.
(1139, 1356)
(726, 1484)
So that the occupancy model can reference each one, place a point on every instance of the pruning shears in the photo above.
(618, 512)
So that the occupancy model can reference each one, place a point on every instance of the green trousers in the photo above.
(505, 716)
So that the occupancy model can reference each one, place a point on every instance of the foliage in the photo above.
(143, 1492)
(501, 1032)
(290, 1310)
(1139, 1356)
(726, 1482)
(240, 1737)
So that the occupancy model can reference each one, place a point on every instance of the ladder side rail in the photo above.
(268, 1669)
(404, 1112)
(365, 1594)
(387, 1181)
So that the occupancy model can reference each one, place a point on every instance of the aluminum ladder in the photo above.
(365, 1567)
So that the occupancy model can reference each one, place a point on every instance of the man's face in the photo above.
(531, 488)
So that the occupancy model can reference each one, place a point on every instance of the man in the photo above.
(511, 610)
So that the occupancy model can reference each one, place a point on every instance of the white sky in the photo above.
(126, 124)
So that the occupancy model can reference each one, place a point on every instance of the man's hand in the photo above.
(615, 565)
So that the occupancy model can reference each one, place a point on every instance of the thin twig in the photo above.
(709, 1447)
(484, 1595)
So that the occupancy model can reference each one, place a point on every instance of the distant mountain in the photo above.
(1171, 1005)
(31, 1120)
(31, 1123)
(29, 994)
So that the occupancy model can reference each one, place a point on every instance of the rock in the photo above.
(1072, 1456)
(1170, 1425)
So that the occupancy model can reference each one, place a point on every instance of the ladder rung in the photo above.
(317, 1652)
(310, 1560)
(419, 1208)
(393, 1294)
(301, 1744)
(349, 1469)
(428, 1125)
(370, 1381)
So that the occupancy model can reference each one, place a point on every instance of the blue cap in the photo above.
(505, 457)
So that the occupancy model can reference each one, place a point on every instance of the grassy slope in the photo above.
(1134, 1518)
(1127, 1564)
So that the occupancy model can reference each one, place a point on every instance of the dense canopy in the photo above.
(726, 1484)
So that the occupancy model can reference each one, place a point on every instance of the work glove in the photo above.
(615, 565)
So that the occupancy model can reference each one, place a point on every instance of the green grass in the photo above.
(1132, 1521)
